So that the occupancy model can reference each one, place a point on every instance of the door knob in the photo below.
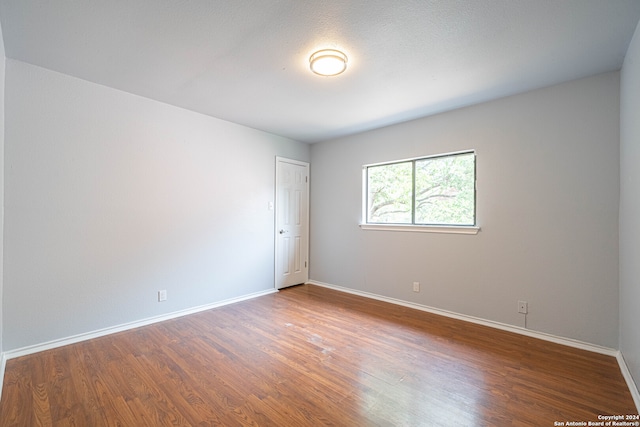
(282, 232)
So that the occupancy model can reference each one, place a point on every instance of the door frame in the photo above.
(279, 160)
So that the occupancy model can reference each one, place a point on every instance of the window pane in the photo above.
(390, 193)
(445, 190)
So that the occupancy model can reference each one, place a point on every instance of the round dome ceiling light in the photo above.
(328, 62)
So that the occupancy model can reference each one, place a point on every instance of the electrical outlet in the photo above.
(162, 296)
(523, 307)
(416, 286)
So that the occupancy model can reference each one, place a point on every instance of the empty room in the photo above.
(296, 213)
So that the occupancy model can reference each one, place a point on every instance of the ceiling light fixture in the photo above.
(328, 62)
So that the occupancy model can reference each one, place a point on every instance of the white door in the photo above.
(292, 222)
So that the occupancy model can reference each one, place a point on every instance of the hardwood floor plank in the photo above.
(16, 398)
(311, 356)
(41, 407)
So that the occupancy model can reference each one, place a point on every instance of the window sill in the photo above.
(448, 229)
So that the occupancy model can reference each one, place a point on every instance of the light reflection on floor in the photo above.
(432, 398)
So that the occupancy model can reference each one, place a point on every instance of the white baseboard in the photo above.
(497, 325)
(144, 322)
(123, 327)
(626, 373)
(3, 365)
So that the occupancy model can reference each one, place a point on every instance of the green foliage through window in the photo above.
(437, 190)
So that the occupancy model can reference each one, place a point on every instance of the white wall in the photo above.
(110, 197)
(2, 73)
(548, 176)
(630, 207)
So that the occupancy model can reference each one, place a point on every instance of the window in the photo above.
(429, 191)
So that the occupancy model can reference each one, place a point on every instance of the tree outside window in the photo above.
(436, 190)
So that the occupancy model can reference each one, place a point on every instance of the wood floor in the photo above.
(310, 356)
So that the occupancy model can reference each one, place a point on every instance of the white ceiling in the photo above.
(246, 61)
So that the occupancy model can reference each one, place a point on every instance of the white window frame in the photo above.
(420, 228)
